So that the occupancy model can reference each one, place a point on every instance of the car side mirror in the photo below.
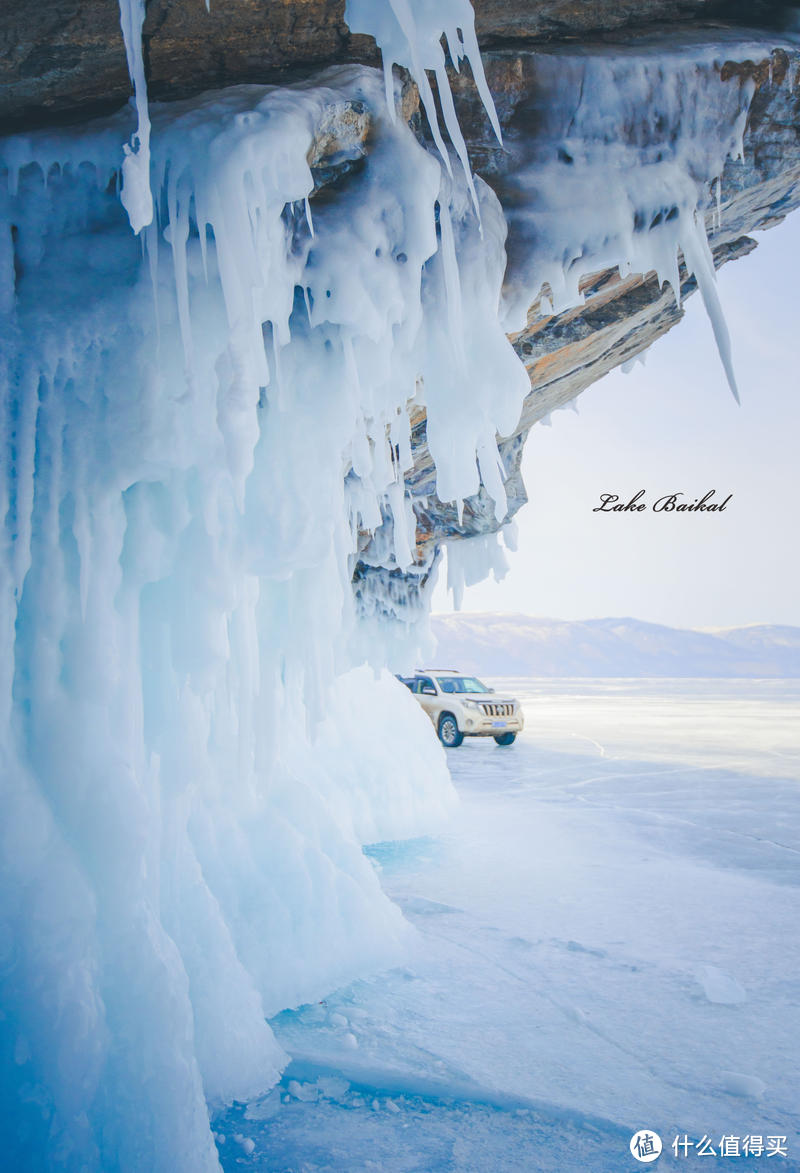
(428, 690)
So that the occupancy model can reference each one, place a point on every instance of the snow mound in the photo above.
(738, 1084)
(720, 987)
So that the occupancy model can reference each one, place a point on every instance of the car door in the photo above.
(427, 696)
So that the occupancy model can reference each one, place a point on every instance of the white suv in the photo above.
(461, 706)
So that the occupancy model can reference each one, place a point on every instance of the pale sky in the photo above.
(673, 426)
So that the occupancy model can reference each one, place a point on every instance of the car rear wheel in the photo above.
(449, 734)
(505, 738)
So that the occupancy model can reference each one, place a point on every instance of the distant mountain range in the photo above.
(521, 645)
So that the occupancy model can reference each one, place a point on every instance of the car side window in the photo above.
(425, 685)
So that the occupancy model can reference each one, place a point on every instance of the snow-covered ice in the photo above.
(605, 941)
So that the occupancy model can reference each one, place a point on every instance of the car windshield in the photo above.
(461, 684)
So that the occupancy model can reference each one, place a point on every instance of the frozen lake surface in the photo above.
(607, 941)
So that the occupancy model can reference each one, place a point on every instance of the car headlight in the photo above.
(471, 705)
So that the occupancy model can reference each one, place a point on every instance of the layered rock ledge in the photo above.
(65, 59)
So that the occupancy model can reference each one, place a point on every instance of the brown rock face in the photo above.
(56, 62)
(574, 19)
(64, 59)
(245, 41)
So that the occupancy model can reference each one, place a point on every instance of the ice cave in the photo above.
(271, 346)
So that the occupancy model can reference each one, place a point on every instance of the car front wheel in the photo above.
(505, 738)
(449, 734)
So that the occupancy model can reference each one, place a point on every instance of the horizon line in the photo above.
(703, 628)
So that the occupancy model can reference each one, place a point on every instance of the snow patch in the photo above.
(720, 987)
(739, 1084)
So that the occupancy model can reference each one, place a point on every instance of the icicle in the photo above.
(493, 476)
(408, 33)
(177, 233)
(401, 538)
(452, 283)
(136, 195)
(700, 262)
(429, 106)
(82, 530)
(626, 368)
(740, 126)
(151, 247)
(473, 55)
(454, 130)
(7, 279)
(510, 531)
(201, 217)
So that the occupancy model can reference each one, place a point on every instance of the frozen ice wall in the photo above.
(198, 422)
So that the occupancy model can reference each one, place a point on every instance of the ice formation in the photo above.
(137, 199)
(196, 433)
(200, 423)
(613, 159)
(409, 33)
